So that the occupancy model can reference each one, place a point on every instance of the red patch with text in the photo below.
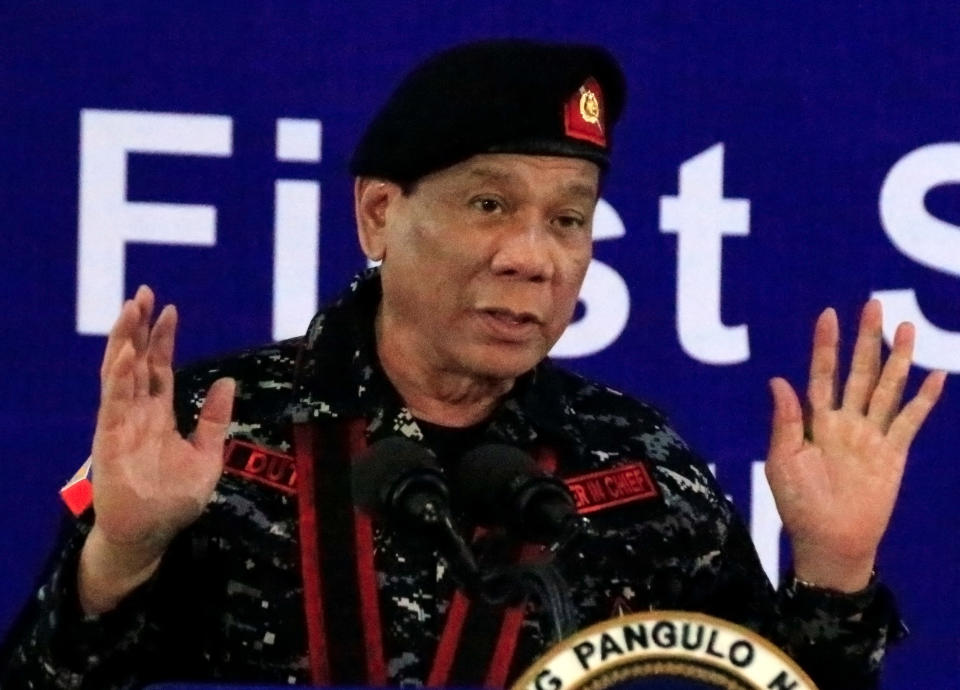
(608, 488)
(261, 465)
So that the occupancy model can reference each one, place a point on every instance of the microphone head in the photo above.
(501, 484)
(389, 467)
(487, 476)
(399, 480)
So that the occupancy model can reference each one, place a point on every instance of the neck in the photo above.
(431, 392)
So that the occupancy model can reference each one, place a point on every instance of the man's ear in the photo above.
(372, 198)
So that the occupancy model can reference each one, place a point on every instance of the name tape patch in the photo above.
(261, 465)
(607, 488)
(245, 459)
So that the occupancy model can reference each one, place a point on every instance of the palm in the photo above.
(149, 481)
(835, 472)
(833, 498)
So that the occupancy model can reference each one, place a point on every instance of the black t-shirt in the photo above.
(451, 443)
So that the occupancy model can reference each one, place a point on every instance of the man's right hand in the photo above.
(148, 481)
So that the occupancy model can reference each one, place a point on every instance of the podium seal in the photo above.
(665, 650)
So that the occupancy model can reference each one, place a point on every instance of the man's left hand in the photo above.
(835, 469)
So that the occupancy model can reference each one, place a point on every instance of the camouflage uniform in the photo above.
(227, 603)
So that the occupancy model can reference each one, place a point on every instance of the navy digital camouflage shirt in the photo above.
(227, 603)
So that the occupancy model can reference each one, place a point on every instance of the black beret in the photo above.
(495, 96)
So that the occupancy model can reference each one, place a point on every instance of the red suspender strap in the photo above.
(341, 600)
(337, 563)
(449, 640)
(483, 659)
(303, 441)
(356, 443)
(500, 665)
(546, 459)
(506, 645)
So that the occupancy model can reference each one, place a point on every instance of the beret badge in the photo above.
(583, 114)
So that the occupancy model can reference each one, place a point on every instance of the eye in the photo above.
(569, 221)
(487, 204)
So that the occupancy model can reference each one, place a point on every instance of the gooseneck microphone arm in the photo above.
(502, 485)
(399, 479)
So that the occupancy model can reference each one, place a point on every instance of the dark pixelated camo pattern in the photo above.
(245, 619)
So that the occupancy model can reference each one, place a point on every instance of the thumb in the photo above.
(215, 416)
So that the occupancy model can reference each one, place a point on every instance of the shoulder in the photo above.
(615, 427)
(602, 402)
(603, 414)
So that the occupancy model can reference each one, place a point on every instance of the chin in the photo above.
(503, 363)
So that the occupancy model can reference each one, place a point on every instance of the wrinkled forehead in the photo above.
(569, 177)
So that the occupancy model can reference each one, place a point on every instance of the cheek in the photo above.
(573, 270)
(435, 273)
(442, 246)
(459, 267)
(569, 284)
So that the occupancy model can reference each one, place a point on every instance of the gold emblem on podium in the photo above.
(658, 649)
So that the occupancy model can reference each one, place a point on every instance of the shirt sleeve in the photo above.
(839, 639)
(55, 646)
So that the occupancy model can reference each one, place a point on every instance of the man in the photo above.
(475, 188)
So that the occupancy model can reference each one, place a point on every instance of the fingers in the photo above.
(906, 424)
(119, 335)
(160, 352)
(152, 346)
(144, 300)
(118, 388)
(821, 389)
(865, 366)
(786, 434)
(885, 401)
(215, 417)
(133, 324)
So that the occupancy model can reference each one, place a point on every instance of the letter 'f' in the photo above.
(108, 221)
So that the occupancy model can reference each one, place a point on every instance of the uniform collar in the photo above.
(339, 376)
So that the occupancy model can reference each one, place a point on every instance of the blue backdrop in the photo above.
(202, 147)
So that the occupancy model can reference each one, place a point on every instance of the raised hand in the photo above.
(835, 470)
(148, 481)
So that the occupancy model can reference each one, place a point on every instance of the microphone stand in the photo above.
(425, 511)
(542, 582)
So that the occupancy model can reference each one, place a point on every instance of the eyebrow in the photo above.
(490, 174)
(573, 188)
(580, 189)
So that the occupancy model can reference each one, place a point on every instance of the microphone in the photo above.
(400, 480)
(501, 484)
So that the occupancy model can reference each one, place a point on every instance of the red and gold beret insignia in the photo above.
(584, 113)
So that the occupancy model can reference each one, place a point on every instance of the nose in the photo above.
(525, 251)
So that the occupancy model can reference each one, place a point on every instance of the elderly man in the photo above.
(475, 187)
